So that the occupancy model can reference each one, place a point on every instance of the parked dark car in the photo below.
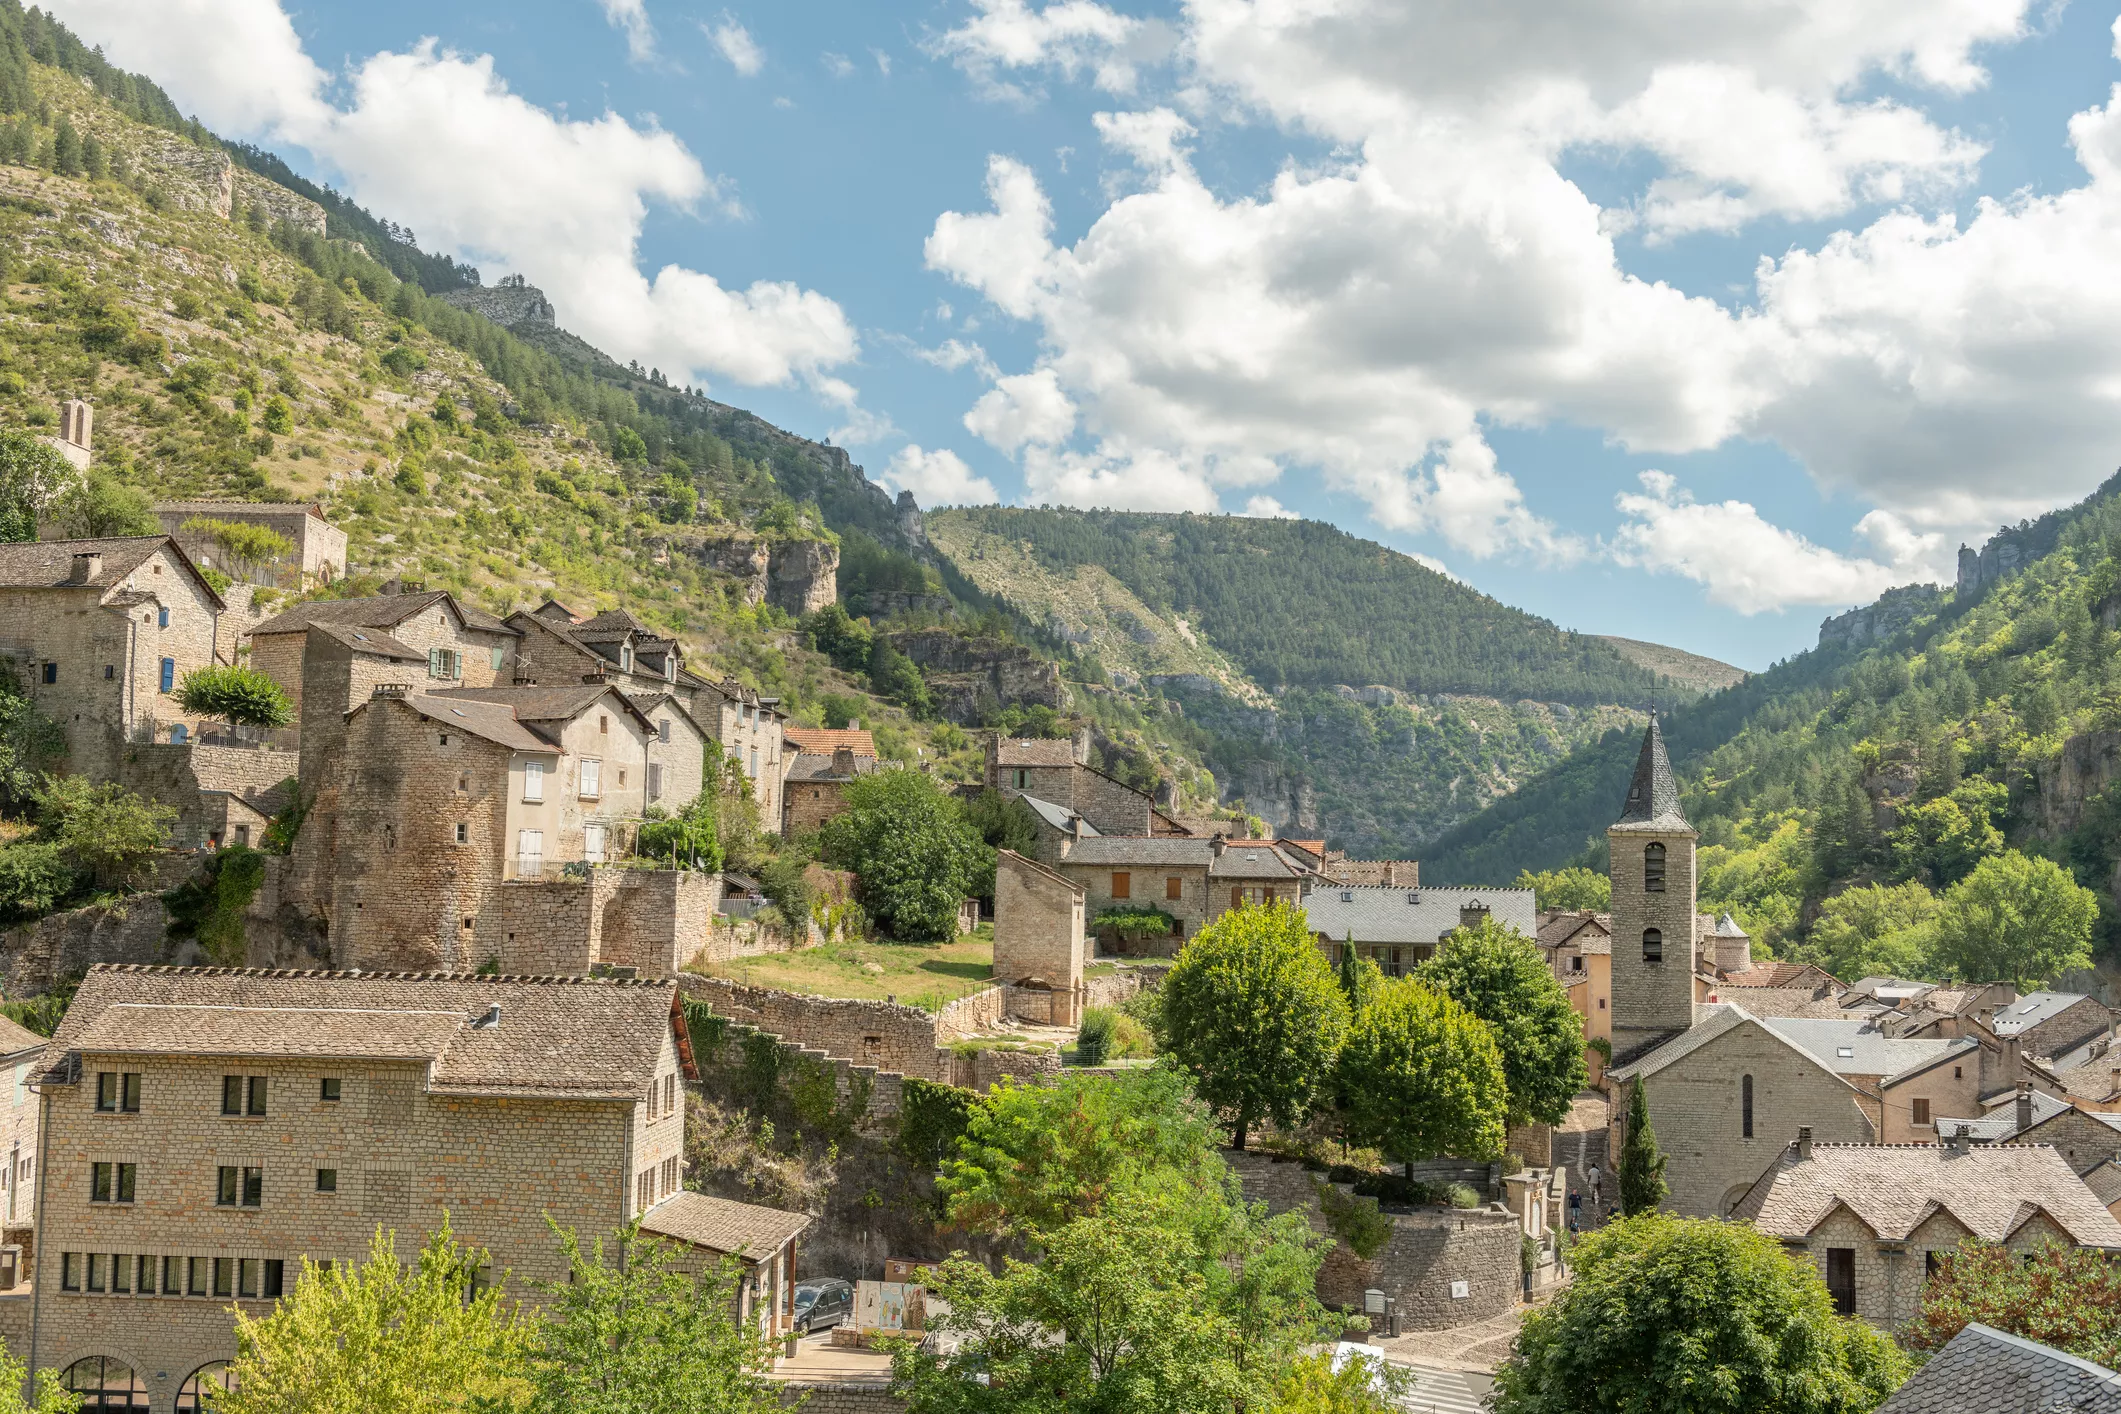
(822, 1303)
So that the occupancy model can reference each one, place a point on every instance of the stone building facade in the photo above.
(21, 1051)
(1399, 929)
(1057, 770)
(101, 634)
(815, 788)
(1194, 880)
(1654, 923)
(677, 751)
(318, 557)
(1874, 1218)
(441, 642)
(207, 1129)
(1038, 937)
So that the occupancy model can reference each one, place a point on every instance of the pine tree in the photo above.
(66, 149)
(1642, 1185)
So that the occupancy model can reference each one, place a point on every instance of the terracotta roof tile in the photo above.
(823, 741)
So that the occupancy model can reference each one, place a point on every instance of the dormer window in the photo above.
(625, 657)
(670, 666)
(1653, 868)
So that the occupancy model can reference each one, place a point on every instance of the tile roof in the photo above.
(368, 1033)
(1653, 792)
(1777, 974)
(377, 611)
(722, 1225)
(1560, 925)
(1246, 860)
(1727, 927)
(615, 622)
(1986, 1371)
(1379, 915)
(2031, 1010)
(1765, 1002)
(1717, 1020)
(277, 508)
(1894, 1188)
(2104, 1181)
(1858, 1047)
(15, 1037)
(1034, 751)
(826, 740)
(566, 1037)
(49, 564)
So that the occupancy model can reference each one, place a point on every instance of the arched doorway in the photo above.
(105, 1384)
(198, 1391)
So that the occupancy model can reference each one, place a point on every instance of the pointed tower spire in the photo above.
(1653, 794)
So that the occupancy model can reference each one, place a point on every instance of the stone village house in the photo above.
(441, 641)
(318, 557)
(1194, 880)
(1874, 1218)
(1399, 929)
(208, 1129)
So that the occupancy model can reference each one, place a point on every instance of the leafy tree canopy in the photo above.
(690, 836)
(916, 855)
(1575, 888)
(2067, 1297)
(1422, 1077)
(1706, 1317)
(2015, 918)
(104, 827)
(1253, 1011)
(1500, 976)
(98, 506)
(31, 473)
(242, 696)
(1878, 930)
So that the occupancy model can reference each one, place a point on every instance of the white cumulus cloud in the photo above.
(1070, 36)
(938, 478)
(632, 17)
(1267, 508)
(436, 139)
(736, 44)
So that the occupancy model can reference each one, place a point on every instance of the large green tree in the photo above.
(1252, 1009)
(1034, 1158)
(243, 697)
(1575, 887)
(105, 828)
(1679, 1316)
(1641, 1176)
(1877, 930)
(915, 854)
(1499, 975)
(98, 506)
(629, 1333)
(382, 1337)
(31, 473)
(1421, 1077)
(2016, 918)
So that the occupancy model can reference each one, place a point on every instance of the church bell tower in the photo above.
(1652, 848)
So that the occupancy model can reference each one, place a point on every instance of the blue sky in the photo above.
(1451, 278)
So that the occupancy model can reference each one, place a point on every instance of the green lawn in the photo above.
(919, 974)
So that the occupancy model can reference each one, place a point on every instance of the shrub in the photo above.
(243, 696)
(34, 876)
(1093, 1042)
(1136, 920)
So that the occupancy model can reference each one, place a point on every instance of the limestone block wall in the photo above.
(1038, 926)
(888, 1035)
(970, 1015)
(842, 1397)
(1651, 999)
(544, 925)
(35, 955)
(807, 805)
(1429, 1250)
(1115, 809)
(1121, 986)
(1025, 1067)
(657, 920)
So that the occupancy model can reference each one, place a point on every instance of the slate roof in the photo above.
(49, 564)
(1653, 792)
(1718, 1019)
(1378, 915)
(276, 508)
(1252, 861)
(489, 721)
(1060, 817)
(532, 703)
(1122, 850)
(1034, 751)
(1992, 1190)
(1765, 1002)
(378, 611)
(2031, 1010)
(1776, 974)
(823, 741)
(2000, 1121)
(809, 766)
(1727, 927)
(2105, 1183)
(370, 640)
(1986, 1371)
(562, 1037)
(1592, 932)
(723, 1225)
(1870, 1050)
(15, 1037)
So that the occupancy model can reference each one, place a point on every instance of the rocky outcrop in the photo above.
(512, 302)
(1894, 611)
(972, 677)
(1285, 800)
(2086, 766)
(279, 204)
(795, 576)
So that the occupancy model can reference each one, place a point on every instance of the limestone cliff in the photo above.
(794, 576)
(972, 677)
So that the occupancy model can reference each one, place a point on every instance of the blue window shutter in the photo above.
(162, 618)
(169, 674)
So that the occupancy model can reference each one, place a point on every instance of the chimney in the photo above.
(1081, 746)
(843, 761)
(86, 566)
(1962, 1141)
(1470, 914)
(1218, 845)
(2025, 1105)
(1804, 1141)
(1075, 827)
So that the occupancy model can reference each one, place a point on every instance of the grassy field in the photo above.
(926, 975)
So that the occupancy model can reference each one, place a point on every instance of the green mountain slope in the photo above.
(1926, 732)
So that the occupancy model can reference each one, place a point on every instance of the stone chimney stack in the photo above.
(994, 761)
(2024, 1115)
(1082, 746)
(85, 567)
(843, 761)
(1217, 845)
(1804, 1141)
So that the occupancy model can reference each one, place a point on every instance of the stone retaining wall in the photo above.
(1430, 1249)
(843, 1397)
(970, 1015)
(887, 1035)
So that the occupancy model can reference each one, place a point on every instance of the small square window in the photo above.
(327, 1180)
(328, 1088)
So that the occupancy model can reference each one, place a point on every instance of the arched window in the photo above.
(1652, 945)
(1745, 1105)
(1653, 868)
(197, 1393)
(105, 1384)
